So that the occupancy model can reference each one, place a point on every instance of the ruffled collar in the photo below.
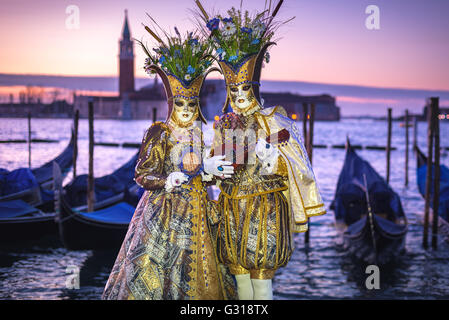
(250, 111)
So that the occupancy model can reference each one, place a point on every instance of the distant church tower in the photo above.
(126, 60)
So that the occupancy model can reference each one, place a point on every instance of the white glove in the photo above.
(175, 179)
(267, 154)
(206, 177)
(214, 164)
(264, 149)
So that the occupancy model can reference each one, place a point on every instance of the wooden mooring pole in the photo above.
(388, 146)
(75, 137)
(309, 147)
(29, 139)
(154, 115)
(415, 134)
(310, 134)
(406, 147)
(305, 112)
(90, 178)
(436, 180)
(430, 119)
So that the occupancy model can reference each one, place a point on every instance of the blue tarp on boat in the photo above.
(16, 180)
(15, 208)
(24, 178)
(105, 187)
(46, 195)
(119, 213)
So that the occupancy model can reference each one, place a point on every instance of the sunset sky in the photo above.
(327, 42)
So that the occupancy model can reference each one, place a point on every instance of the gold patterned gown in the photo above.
(254, 234)
(169, 251)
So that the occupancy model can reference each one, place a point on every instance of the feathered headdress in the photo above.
(241, 42)
(181, 62)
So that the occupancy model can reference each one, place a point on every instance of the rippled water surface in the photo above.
(319, 270)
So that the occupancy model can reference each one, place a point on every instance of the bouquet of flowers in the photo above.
(183, 57)
(239, 34)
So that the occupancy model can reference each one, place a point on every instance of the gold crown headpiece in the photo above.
(248, 70)
(175, 88)
(179, 89)
(240, 73)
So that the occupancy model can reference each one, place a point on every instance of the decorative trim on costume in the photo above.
(185, 97)
(317, 206)
(317, 214)
(249, 195)
(237, 269)
(236, 67)
(262, 274)
(242, 82)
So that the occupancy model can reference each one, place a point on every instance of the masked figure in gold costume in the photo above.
(169, 251)
(273, 190)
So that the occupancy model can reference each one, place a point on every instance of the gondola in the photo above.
(19, 222)
(33, 185)
(109, 189)
(373, 230)
(44, 174)
(97, 230)
(421, 168)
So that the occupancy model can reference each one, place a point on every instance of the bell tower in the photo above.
(126, 60)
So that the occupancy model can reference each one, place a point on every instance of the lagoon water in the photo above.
(319, 270)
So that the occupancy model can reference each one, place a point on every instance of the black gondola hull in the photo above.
(25, 229)
(375, 245)
(80, 233)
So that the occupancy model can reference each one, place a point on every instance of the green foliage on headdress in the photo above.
(239, 34)
(184, 57)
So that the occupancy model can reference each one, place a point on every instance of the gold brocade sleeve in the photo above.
(281, 168)
(149, 172)
(303, 192)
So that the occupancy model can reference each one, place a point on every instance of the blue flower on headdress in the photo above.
(232, 58)
(255, 41)
(162, 59)
(164, 50)
(213, 24)
(246, 30)
(177, 53)
(220, 53)
(227, 20)
(193, 42)
(190, 69)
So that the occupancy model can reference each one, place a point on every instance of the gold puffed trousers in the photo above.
(254, 233)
